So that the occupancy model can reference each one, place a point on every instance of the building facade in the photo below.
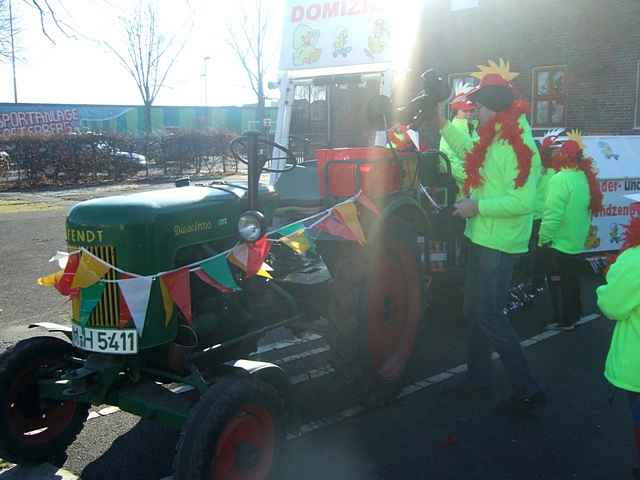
(579, 60)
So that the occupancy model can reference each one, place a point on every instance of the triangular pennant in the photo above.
(178, 286)
(124, 315)
(61, 258)
(70, 269)
(136, 293)
(75, 306)
(264, 271)
(290, 229)
(218, 270)
(90, 270)
(336, 228)
(167, 304)
(348, 214)
(368, 203)
(89, 298)
(258, 251)
(240, 256)
(50, 280)
(202, 275)
(299, 242)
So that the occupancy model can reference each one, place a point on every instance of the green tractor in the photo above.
(197, 375)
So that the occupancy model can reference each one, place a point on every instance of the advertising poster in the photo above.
(335, 33)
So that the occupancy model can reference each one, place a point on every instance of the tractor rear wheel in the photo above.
(33, 429)
(234, 432)
(375, 311)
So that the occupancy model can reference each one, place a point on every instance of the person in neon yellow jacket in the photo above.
(619, 301)
(573, 195)
(463, 109)
(502, 168)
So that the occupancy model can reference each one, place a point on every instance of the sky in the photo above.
(83, 70)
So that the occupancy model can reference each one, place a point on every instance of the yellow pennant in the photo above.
(264, 271)
(50, 280)
(167, 303)
(75, 307)
(348, 213)
(90, 270)
(298, 242)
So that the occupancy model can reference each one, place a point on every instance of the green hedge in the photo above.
(36, 160)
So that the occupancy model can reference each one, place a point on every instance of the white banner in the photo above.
(618, 161)
(607, 226)
(320, 34)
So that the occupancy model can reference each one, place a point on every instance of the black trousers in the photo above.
(564, 282)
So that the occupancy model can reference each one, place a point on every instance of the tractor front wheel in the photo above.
(234, 432)
(35, 429)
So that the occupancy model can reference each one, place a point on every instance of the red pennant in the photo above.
(368, 203)
(124, 314)
(64, 285)
(336, 228)
(178, 285)
(202, 275)
(257, 254)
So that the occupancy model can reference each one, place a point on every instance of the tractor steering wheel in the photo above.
(238, 149)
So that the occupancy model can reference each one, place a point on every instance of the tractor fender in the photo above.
(267, 372)
(407, 209)
(53, 328)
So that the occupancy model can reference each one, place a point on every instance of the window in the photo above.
(637, 116)
(549, 96)
(463, 4)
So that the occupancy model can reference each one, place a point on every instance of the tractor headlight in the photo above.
(251, 226)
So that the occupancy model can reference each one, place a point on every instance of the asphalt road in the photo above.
(427, 434)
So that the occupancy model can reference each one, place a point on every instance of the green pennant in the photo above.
(289, 229)
(89, 298)
(218, 269)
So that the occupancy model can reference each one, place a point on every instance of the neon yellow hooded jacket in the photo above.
(567, 218)
(541, 192)
(505, 219)
(457, 162)
(619, 300)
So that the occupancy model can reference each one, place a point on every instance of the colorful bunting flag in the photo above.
(290, 229)
(178, 287)
(61, 258)
(90, 270)
(64, 284)
(89, 298)
(264, 271)
(50, 280)
(217, 269)
(250, 256)
(348, 214)
(136, 293)
(368, 203)
(336, 228)
(202, 275)
(167, 304)
(299, 242)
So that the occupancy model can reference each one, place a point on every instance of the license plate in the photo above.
(120, 342)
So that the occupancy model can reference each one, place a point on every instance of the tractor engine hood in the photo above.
(148, 229)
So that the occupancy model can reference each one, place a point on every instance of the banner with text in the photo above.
(321, 34)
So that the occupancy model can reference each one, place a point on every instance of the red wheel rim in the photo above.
(32, 420)
(393, 309)
(246, 446)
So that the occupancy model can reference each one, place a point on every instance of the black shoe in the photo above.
(518, 405)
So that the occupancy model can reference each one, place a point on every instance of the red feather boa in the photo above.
(631, 239)
(562, 160)
(509, 131)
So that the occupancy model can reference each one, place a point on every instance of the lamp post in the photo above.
(204, 78)
(13, 55)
